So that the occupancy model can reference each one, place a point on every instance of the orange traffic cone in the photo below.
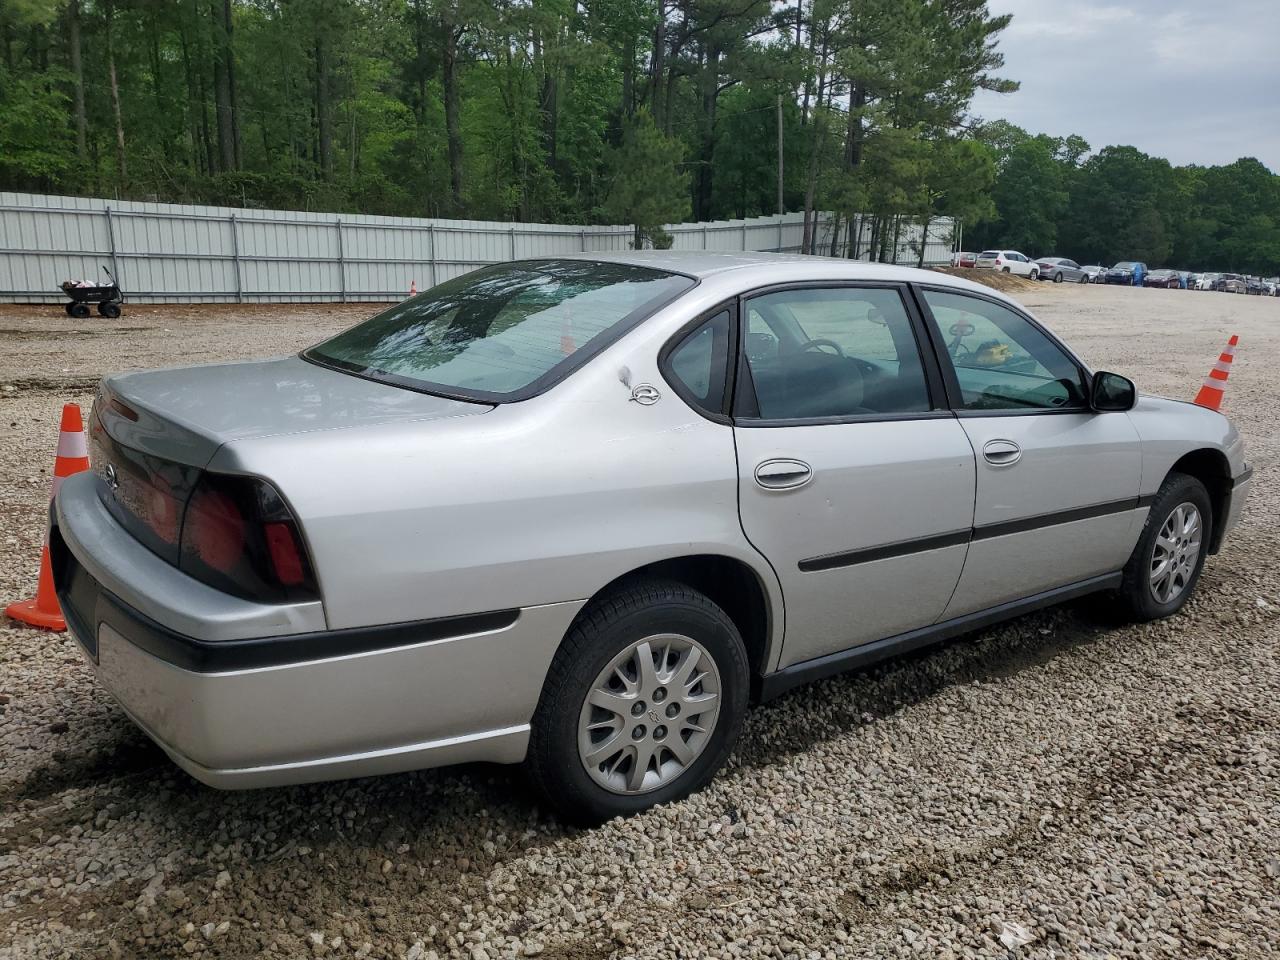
(1210, 394)
(73, 456)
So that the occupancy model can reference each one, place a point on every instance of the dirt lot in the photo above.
(1091, 789)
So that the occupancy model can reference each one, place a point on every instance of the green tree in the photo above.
(1030, 197)
(645, 185)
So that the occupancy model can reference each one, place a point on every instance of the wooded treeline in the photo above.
(571, 111)
(1121, 204)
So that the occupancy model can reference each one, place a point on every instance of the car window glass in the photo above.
(836, 352)
(701, 363)
(500, 329)
(1001, 360)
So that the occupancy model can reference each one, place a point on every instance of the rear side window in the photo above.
(502, 332)
(833, 352)
(1002, 361)
(699, 364)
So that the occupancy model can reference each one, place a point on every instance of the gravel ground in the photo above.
(1062, 786)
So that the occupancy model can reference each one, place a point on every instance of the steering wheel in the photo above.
(959, 331)
(820, 342)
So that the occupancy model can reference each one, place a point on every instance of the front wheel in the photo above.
(1165, 566)
(1035, 274)
(642, 704)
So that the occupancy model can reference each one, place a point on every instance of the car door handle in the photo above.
(1001, 453)
(783, 474)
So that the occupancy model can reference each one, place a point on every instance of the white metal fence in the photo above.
(171, 253)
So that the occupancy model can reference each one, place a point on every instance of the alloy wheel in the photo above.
(1176, 553)
(649, 714)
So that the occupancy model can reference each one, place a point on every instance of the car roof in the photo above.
(769, 268)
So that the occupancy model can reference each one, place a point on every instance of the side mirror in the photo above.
(1111, 392)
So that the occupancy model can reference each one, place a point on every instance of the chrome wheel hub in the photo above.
(1177, 549)
(649, 714)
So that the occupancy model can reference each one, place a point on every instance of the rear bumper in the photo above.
(316, 705)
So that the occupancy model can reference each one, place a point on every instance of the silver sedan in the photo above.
(581, 512)
(1060, 269)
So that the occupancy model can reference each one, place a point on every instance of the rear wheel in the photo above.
(78, 310)
(1057, 277)
(1084, 278)
(1004, 270)
(642, 704)
(109, 309)
(1165, 566)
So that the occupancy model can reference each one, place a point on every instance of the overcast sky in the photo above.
(1196, 81)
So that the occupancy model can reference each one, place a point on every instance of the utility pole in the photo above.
(780, 208)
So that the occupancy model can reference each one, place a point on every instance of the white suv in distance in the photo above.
(1008, 261)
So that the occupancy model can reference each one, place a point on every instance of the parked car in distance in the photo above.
(1273, 286)
(1094, 272)
(1206, 281)
(1253, 286)
(1167, 279)
(1128, 272)
(963, 259)
(1008, 261)
(579, 512)
(1059, 269)
(1230, 283)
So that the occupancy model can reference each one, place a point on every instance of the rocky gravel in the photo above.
(1062, 786)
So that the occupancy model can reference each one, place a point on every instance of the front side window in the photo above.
(500, 331)
(1002, 361)
(837, 352)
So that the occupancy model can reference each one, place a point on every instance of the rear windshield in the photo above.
(988, 254)
(1123, 265)
(503, 332)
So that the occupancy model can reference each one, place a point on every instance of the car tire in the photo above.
(1083, 278)
(1057, 277)
(1004, 269)
(1034, 274)
(602, 655)
(1145, 593)
(109, 309)
(78, 310)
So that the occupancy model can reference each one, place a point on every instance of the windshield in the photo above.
(503, 332)
(1123, 265)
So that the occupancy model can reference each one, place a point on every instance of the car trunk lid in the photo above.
(152, 434)
(186, 414)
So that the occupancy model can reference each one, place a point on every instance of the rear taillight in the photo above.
(239, 536)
